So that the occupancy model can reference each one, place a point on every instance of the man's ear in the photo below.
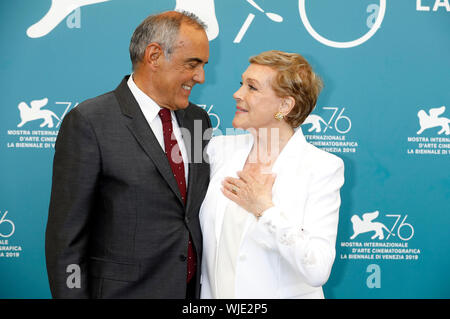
(287, 104)
(153, 54)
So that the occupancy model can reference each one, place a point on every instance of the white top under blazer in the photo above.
(234, 221)
(290, 250)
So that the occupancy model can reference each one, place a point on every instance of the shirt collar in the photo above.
(147, 104)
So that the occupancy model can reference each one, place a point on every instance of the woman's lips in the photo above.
(240, 110)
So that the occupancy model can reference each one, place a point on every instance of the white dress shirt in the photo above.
(150, 110)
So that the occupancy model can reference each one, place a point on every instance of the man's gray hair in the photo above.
(163, 29)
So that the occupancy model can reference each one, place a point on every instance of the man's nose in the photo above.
(199, 75)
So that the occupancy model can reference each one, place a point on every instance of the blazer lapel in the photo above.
(290, 157)
(143, 134)
(189, 145)
(288, 185)
(236, 164)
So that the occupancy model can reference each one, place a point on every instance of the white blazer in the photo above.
(289, 251)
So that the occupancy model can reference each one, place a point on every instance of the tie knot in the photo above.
(164, 114)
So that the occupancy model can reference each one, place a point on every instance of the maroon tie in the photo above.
(176, 163)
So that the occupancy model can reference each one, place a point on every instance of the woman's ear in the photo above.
(287, 104)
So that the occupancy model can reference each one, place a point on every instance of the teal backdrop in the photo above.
(385, 110)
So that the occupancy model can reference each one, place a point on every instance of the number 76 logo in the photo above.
(3, 220)
(341, 123)
(368, 225)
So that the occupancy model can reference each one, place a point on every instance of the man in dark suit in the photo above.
(129, 176)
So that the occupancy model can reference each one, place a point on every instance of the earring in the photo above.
(279, 116)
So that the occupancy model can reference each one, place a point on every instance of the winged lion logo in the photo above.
(366, 224)
(35, 112)
(431, 120)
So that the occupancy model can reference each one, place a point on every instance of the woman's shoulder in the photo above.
(323, 158)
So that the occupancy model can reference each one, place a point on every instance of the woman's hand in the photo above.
(252, 190)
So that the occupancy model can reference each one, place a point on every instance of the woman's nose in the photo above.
(237, 95)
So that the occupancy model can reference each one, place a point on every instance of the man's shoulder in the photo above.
(99, 111)
(98, 104)
(196, 111)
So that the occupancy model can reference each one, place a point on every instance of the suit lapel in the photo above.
(188, 124)
(138, 126)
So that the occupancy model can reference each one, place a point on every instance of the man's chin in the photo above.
(181, 106)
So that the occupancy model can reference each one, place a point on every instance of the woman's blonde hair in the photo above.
(294, 78)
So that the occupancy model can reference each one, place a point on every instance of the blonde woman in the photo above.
(270, 216)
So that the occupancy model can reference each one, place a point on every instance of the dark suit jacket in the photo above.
(115, 208)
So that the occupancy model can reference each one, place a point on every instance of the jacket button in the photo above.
(187, 220)
(183, 257)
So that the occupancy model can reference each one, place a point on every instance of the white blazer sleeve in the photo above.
(310, 247)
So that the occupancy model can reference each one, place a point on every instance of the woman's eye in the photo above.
(251, 87)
